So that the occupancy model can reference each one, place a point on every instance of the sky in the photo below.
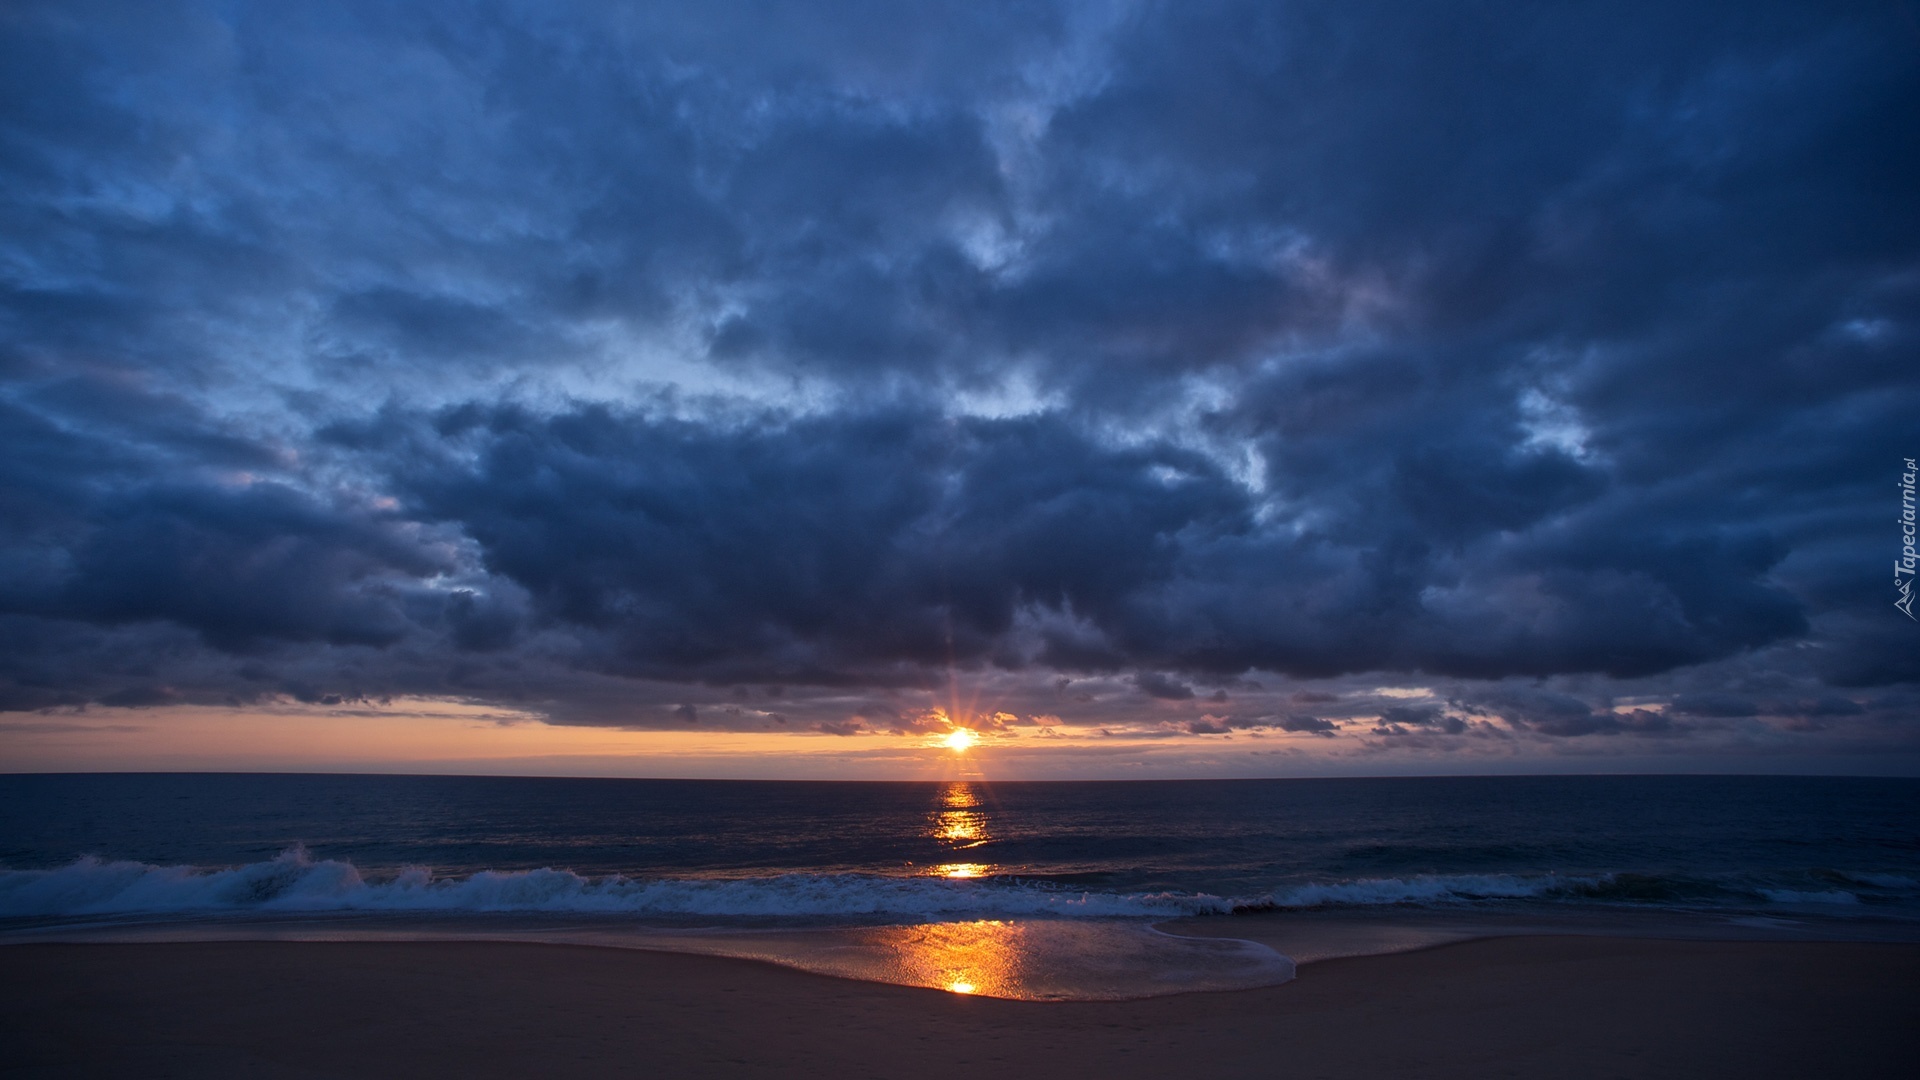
(763, 389)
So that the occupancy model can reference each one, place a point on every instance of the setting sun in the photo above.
(960, 740)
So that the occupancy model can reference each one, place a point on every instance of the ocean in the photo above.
(852, 878)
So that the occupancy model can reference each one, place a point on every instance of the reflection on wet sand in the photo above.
(967, 958)
(1026, 960)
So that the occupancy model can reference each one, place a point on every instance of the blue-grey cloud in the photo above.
(1563, 354)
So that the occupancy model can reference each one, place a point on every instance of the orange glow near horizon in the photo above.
(434, 736)
(450, 736)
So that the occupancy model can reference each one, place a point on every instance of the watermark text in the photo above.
(1904, 565)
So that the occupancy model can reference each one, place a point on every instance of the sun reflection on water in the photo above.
(962, 870)
(961, 828)
(959, 824)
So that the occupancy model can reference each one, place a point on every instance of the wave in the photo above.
(1797, 896)
(296, 882)
(1422, 889)
(1613, 888)
(1879, 881)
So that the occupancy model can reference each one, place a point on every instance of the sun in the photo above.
(960, 740)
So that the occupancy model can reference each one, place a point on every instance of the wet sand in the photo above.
(1565, 1007)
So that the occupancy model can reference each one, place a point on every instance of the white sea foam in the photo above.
(1794, 896)
(296, 882)
(1422, 889)
(1884, 881)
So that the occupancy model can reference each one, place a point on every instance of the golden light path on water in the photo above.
(960, 824)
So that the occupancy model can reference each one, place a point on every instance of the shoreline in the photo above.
(1563, 1006)
(1304, 935)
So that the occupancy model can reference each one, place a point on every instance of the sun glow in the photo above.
(960, 740)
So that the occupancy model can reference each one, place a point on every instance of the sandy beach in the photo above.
(1524, 1007)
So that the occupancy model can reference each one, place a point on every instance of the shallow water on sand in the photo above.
(1023, 960)
(1019, 959)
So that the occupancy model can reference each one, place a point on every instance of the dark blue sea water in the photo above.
(218, 845)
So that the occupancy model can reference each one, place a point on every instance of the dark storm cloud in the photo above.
(105, 529)
(377, 349)
(811, 550)
(1154, 684)
(113, 519)
(1417, 720)
(1714, 705)
(830, 550)
(1641, 722)
(1312, 725)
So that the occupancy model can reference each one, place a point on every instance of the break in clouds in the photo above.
(1389, 372)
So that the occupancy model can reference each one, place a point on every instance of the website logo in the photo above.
(1904, 565)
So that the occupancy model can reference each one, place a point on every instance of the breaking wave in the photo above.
(1616, 888)
(1423, 889)
(1797, 896)
(297, 882)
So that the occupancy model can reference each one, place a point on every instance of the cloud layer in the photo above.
(1146, 364)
